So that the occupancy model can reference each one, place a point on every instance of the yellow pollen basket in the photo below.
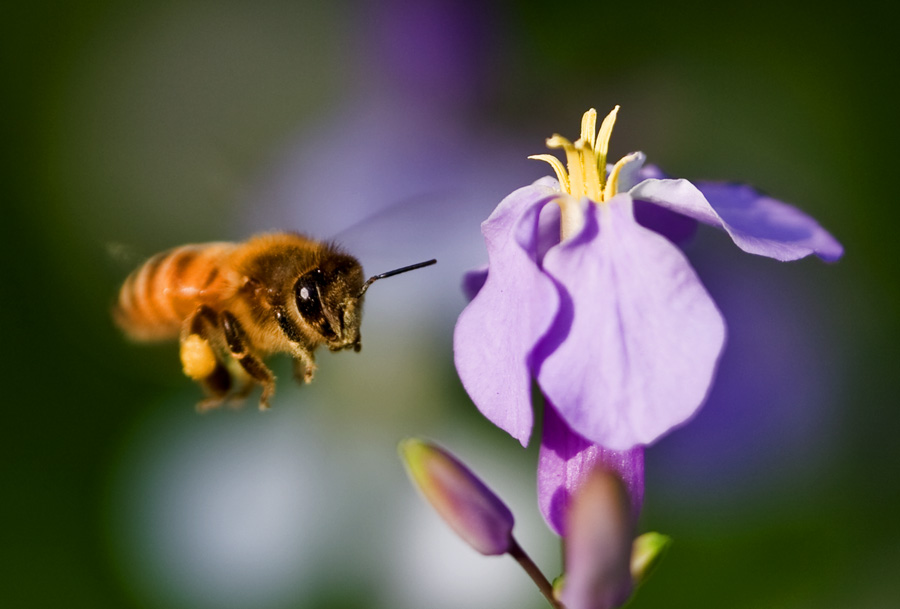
(197, 357)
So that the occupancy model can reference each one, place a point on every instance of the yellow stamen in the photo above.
(573, 161)
(589, 127)
(557, 165)
(586, 164)
(601, 147)
(592, 186)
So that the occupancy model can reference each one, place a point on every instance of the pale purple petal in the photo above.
(496, 333)
(566, 458)
(756, 223)
(635, 345)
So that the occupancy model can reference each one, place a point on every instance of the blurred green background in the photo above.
(132, 127)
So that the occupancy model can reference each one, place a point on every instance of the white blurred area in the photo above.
(215, 511)
(247, 510)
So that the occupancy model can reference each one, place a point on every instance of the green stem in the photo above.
(534, 573)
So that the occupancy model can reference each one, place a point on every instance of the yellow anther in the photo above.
(589, 127)
(592, 184)
(557, 141)
(558, 167)
(601, 146)
(574, 161)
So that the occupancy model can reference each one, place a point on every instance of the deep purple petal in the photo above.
(496, 333)
(756, 223)
(548, 230)
(635, 346)
(566, 458)
(473, 281)
(677, 228)
(648, 170)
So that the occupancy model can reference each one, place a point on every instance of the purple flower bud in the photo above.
(471, 509)
(599, 537)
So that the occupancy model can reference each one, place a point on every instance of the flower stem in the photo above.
(516, 551)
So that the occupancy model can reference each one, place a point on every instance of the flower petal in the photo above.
(496, 333)
(566, 459)
(635, 345)
(756, 223)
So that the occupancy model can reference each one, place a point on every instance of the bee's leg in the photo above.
(243, 385)
(201, 360)
(304, 365)
(236, 339)
(217, 385)
(304, 360)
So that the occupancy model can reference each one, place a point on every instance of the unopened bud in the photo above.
(471, 509)
(598, 539)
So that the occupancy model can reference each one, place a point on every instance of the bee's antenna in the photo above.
(403, 269)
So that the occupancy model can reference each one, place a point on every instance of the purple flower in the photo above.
(606, 314)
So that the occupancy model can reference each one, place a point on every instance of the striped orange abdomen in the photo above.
(157, 297)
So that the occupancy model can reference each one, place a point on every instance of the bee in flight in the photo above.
(232, 304)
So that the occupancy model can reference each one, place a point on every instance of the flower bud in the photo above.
(598, 541)
(471, 509)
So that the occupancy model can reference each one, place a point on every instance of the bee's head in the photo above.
(329, 300)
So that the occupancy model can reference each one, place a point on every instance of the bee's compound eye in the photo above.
(307, 291)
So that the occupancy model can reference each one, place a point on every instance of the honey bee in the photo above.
(232, 304)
